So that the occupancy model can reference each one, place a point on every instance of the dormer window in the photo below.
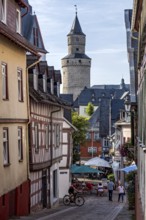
(35, 37)
(45, 82)
(52, 86)
(18, 21)
(35, 79)
(3, 10)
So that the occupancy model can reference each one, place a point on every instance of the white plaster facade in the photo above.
(65, 163)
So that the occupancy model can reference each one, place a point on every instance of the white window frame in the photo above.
(20, 144)
(57, 135)
(45, 82)
(36, 137)
(96, 136)
(18, 21)
(3, 10)
(5, 146)
(52, 86)
(20, 85)
(47, 137)
(4, 81)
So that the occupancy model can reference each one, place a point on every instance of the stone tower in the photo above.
(76, 65)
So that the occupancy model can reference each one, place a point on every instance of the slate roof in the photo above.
(109, 99)
(17, 39)
(29, 22)
(68, 98)
(95, 95)
(58, 76)
(94, 119)
(46, 98)
(76, 27)
(76, 55)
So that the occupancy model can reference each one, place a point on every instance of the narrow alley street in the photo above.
(94, 208)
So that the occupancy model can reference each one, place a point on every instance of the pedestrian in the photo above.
(121, 193)
(100, 189)
(110, 187)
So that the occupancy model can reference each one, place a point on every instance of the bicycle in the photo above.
(74, 198)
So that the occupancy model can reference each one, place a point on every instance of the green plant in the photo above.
(130, 178)
(90, 109)
(111, 177)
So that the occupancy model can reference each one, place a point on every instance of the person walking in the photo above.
(110, 187)
(121, 191)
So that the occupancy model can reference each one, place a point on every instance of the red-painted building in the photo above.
(92, 147)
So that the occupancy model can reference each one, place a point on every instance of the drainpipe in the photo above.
(27, 7)
(28, 110)
(27, 87)
(133, 37)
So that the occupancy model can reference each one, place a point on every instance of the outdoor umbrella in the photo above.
(129, 168)
(97, 161)
(83, 169)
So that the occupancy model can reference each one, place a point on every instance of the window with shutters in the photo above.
(20, 144)
(5, 146)
(3, 10)
(4, 81)
(20, 85)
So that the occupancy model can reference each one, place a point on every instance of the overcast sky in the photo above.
(103, 23)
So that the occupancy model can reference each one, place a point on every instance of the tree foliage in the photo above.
(79, 136)
(90, 109)
(82, 124)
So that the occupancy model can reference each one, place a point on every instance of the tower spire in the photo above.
(76, 9)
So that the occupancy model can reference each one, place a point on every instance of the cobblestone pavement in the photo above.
(94, 208)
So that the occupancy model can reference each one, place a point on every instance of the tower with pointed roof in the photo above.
(76, 65)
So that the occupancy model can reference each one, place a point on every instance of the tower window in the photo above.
(77, 49)
(67, 61)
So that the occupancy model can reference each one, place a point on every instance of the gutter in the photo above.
(27, 7)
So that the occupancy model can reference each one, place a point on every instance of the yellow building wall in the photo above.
(15, 57)
(16, 172)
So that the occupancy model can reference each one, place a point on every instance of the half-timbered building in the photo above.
(46, 122)
(45, 146)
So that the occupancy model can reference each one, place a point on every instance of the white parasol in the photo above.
(97, 161)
